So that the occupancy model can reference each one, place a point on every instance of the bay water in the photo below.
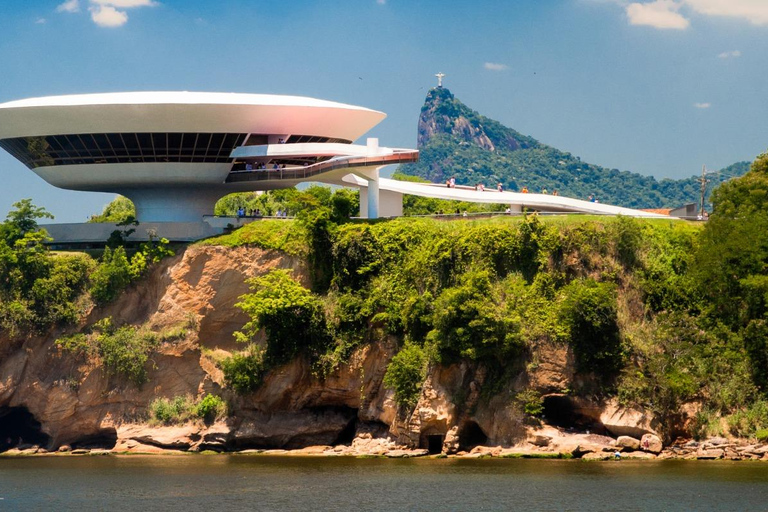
(255, 482)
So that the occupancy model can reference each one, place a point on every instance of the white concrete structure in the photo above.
(392, 192)
(174, 154)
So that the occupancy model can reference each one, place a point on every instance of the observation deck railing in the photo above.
(309, 171)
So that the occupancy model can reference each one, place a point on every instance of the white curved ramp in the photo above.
(516, 200)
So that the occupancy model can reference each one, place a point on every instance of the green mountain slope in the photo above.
(454, 140)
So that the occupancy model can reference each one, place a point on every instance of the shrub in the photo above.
(706, 424)
(355, 257)
(589, 311)
(76, 344)
(54, 296)
(315, 219)
(125, 350)
(16, 317)
(531, 402)
(182, 409)
(405, 375)
(174, 411)
(111, 276)
(155, 249)
(468, 322)
(291, 316)
(628, 233)
(116, 271)
(210, 408)
(417, 313)
(244, 372)
(748, 421)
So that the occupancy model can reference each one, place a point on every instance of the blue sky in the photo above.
(658, 87)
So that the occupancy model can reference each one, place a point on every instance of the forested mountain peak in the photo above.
(443, 114)
(455, 140)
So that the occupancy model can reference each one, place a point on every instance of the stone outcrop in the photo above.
(628, 421)
(627, 442)
(651, 443)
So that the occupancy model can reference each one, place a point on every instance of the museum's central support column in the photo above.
(373, 181)
(173, 204)
(373, 197)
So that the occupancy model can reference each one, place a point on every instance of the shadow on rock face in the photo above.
(18, 427)
(106, 439)
(471, 435)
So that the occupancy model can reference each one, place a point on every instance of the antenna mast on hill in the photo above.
(440, 77)
(703, 182)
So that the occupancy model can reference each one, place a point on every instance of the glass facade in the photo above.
(113, 148)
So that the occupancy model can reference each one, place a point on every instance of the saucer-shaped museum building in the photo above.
(174, 154)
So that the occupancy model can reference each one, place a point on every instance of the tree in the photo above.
(589, 311)
(291, 316)
(345, 203)
(732, 260)
(23, 220)
(119, 211)
(405, 375)
(36, 290)
(469, 322)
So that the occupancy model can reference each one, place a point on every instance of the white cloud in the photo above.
(754, 11)
(494, 66)
(106, 13)
(107, 16)
(69, 6)
(661, 14)
(702, 105)
(730, 55)
(125, 4)
(666, 14)
(40, 21)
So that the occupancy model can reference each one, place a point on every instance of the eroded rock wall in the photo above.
(461, 405)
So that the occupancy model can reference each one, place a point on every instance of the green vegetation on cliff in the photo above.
(657, 313)
(37, 290)
(183, 409)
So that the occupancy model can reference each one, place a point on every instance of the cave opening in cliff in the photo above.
(347, 435)
(435, 443)
(106, 439)
(471, 435)
(560, 411)
(18, 427)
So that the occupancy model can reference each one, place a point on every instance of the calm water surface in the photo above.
(239, 482)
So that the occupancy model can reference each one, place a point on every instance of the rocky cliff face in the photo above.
(55, 398)
(443, 115)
